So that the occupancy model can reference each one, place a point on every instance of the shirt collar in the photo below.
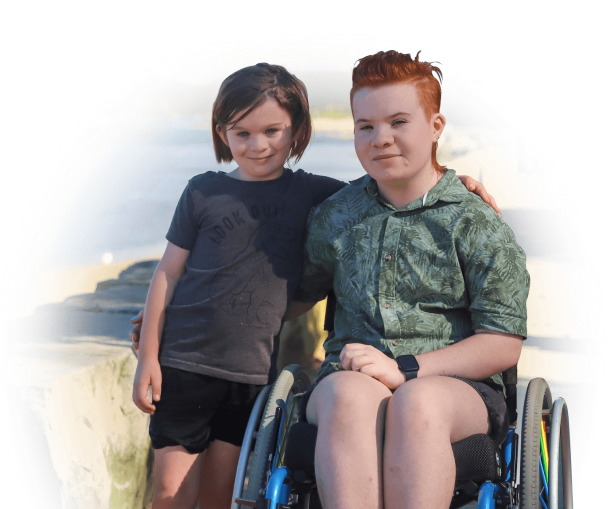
(448, 189)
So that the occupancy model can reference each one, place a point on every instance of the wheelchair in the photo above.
(276, 464)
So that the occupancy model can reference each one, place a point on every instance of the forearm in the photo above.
(296, 309)
(476, 357)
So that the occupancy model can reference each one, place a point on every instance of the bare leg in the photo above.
(349, 409)
(218, 469)
(176, 478)
(425, 416)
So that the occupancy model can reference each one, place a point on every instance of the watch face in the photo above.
(407, 363)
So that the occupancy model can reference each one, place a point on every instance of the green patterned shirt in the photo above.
(414, 279)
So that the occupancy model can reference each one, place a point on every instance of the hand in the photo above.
(478, 188)
(148, 373)
(370, 361)
(135, 332)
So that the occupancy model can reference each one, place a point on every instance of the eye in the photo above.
(399, 122)
(366, 127)
(271, 131)
(243, 134)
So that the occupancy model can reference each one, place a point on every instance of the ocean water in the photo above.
(125, 206)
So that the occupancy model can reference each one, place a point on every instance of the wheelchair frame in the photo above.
(271, 484)
(274, 412)
(545, 479)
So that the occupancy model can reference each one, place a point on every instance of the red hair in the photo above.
(388, 67)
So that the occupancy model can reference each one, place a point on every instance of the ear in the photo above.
(294, 139)
(222, 134)
(296, 135)
(438, 122)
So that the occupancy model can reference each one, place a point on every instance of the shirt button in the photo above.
(394, 343)
(386, 305)
(388, 258)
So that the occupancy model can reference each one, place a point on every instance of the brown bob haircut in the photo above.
(247, 89)
(388, 67)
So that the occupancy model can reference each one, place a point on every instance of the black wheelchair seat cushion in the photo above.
(301, 448)
(477, 457)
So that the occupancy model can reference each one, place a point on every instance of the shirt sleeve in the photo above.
(498, 284)
(184, 228)
(318, 261)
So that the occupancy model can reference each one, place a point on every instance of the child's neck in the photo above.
(239, 174)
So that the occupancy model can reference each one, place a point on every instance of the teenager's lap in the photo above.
(197, 409)
(453, 399)
(437, 404)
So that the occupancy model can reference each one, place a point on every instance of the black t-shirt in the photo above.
(245, 240)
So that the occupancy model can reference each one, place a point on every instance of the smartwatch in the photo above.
(408, 366)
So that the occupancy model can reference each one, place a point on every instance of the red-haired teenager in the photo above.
(431, 294)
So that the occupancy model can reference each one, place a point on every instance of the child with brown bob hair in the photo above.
(215, 307)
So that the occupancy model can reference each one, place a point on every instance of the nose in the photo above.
(259, 143)
(382, 137)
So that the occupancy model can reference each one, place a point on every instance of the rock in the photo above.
(79, 397)
(86, 444)
(73, 370)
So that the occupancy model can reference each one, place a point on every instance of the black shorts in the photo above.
(194, 410)
(498, 419)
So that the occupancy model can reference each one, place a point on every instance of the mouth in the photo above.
(385, 156)
(260, 159)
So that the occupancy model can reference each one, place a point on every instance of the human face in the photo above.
(393, 137)
(260, 142)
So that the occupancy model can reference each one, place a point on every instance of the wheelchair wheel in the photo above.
(291, 381)
(248, 443)
(533, 484)
(559, 482)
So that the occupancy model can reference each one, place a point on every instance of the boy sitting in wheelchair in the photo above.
(431, 291)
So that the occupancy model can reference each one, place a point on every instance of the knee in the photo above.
(171, 493)
(165, 496)
(347, 395)
(417, 405)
